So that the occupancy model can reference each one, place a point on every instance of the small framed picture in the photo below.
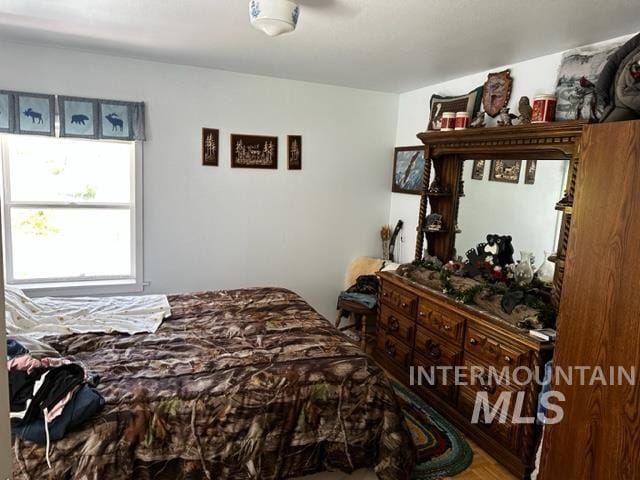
(530, 172)
(294, 152)
(507, 171)
(254, 151)
(78, 117)
(210, 146)
(477, 173)
(36, 114)
(116, 120)
(408, 168)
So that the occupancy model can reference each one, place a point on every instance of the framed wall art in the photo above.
(254, 151)
(210, 146)
(36, 114)
(530, 172)
(294, 152)
(496, 92)
(78, 117)
(507, 171)
(438, 105)
(408, 167)
(477, 173)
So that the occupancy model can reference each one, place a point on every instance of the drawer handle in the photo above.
(421, 314)
(447, 327)
(385, 294)
(404, 305)
(508, 359)
(390, 348)
(433, 349)
(393, 326)
(486, 386)
(473, 341)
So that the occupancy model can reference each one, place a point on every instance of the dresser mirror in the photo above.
(512, 197)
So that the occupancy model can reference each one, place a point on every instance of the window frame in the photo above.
(104, 284)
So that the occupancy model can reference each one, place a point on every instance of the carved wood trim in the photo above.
(558, 140)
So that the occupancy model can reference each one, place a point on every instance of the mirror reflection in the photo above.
(512, 197)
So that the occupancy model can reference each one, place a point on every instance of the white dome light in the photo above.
(274, 17)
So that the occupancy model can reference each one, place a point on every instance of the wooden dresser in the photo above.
(418, 326)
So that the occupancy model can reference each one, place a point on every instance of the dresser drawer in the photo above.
(489, 382)
(492, 351)
(444, 323)
(392, 349)
(507, 433)
(434, 380)
(396, 325)
(400, 299)
(435, 350)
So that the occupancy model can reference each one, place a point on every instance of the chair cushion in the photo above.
(366, 300)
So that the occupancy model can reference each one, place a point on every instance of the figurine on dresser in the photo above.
(525, 110)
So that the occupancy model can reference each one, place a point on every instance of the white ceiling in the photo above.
(386, 45)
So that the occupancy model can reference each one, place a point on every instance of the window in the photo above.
(71, 210)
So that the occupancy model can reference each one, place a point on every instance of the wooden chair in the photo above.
(359, 314)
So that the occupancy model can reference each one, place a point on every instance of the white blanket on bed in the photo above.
(58, 316)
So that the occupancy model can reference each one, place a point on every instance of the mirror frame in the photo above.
(446, 152)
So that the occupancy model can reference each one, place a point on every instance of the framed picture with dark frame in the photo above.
(408, 168)
(530, 172)
(507, 171)
(254, 151)
(477, 173)
(294, 152)
(210, 146)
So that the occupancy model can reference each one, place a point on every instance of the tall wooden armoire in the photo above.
(599, 320)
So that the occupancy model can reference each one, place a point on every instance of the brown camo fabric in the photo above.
(239, 384)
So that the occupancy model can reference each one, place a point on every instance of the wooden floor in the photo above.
(483, 467)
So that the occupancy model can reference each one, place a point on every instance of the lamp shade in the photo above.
(274, 17)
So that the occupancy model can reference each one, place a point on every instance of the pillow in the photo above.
(618, 87)
(438, 104)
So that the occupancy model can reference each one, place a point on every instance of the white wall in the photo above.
(214, 228)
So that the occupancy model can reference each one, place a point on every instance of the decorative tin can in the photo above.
(462, 120)
(544, 108)
(448, 121)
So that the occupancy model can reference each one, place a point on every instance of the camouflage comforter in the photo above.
(242, 384)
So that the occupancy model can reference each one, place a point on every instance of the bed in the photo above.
(238, 384)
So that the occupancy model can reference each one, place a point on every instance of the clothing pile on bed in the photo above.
(48, 396)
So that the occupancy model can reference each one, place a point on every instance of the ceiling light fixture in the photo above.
(274, 17)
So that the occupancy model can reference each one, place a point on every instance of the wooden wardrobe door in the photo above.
(599, 321)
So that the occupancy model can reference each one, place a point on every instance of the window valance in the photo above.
(34, 113)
